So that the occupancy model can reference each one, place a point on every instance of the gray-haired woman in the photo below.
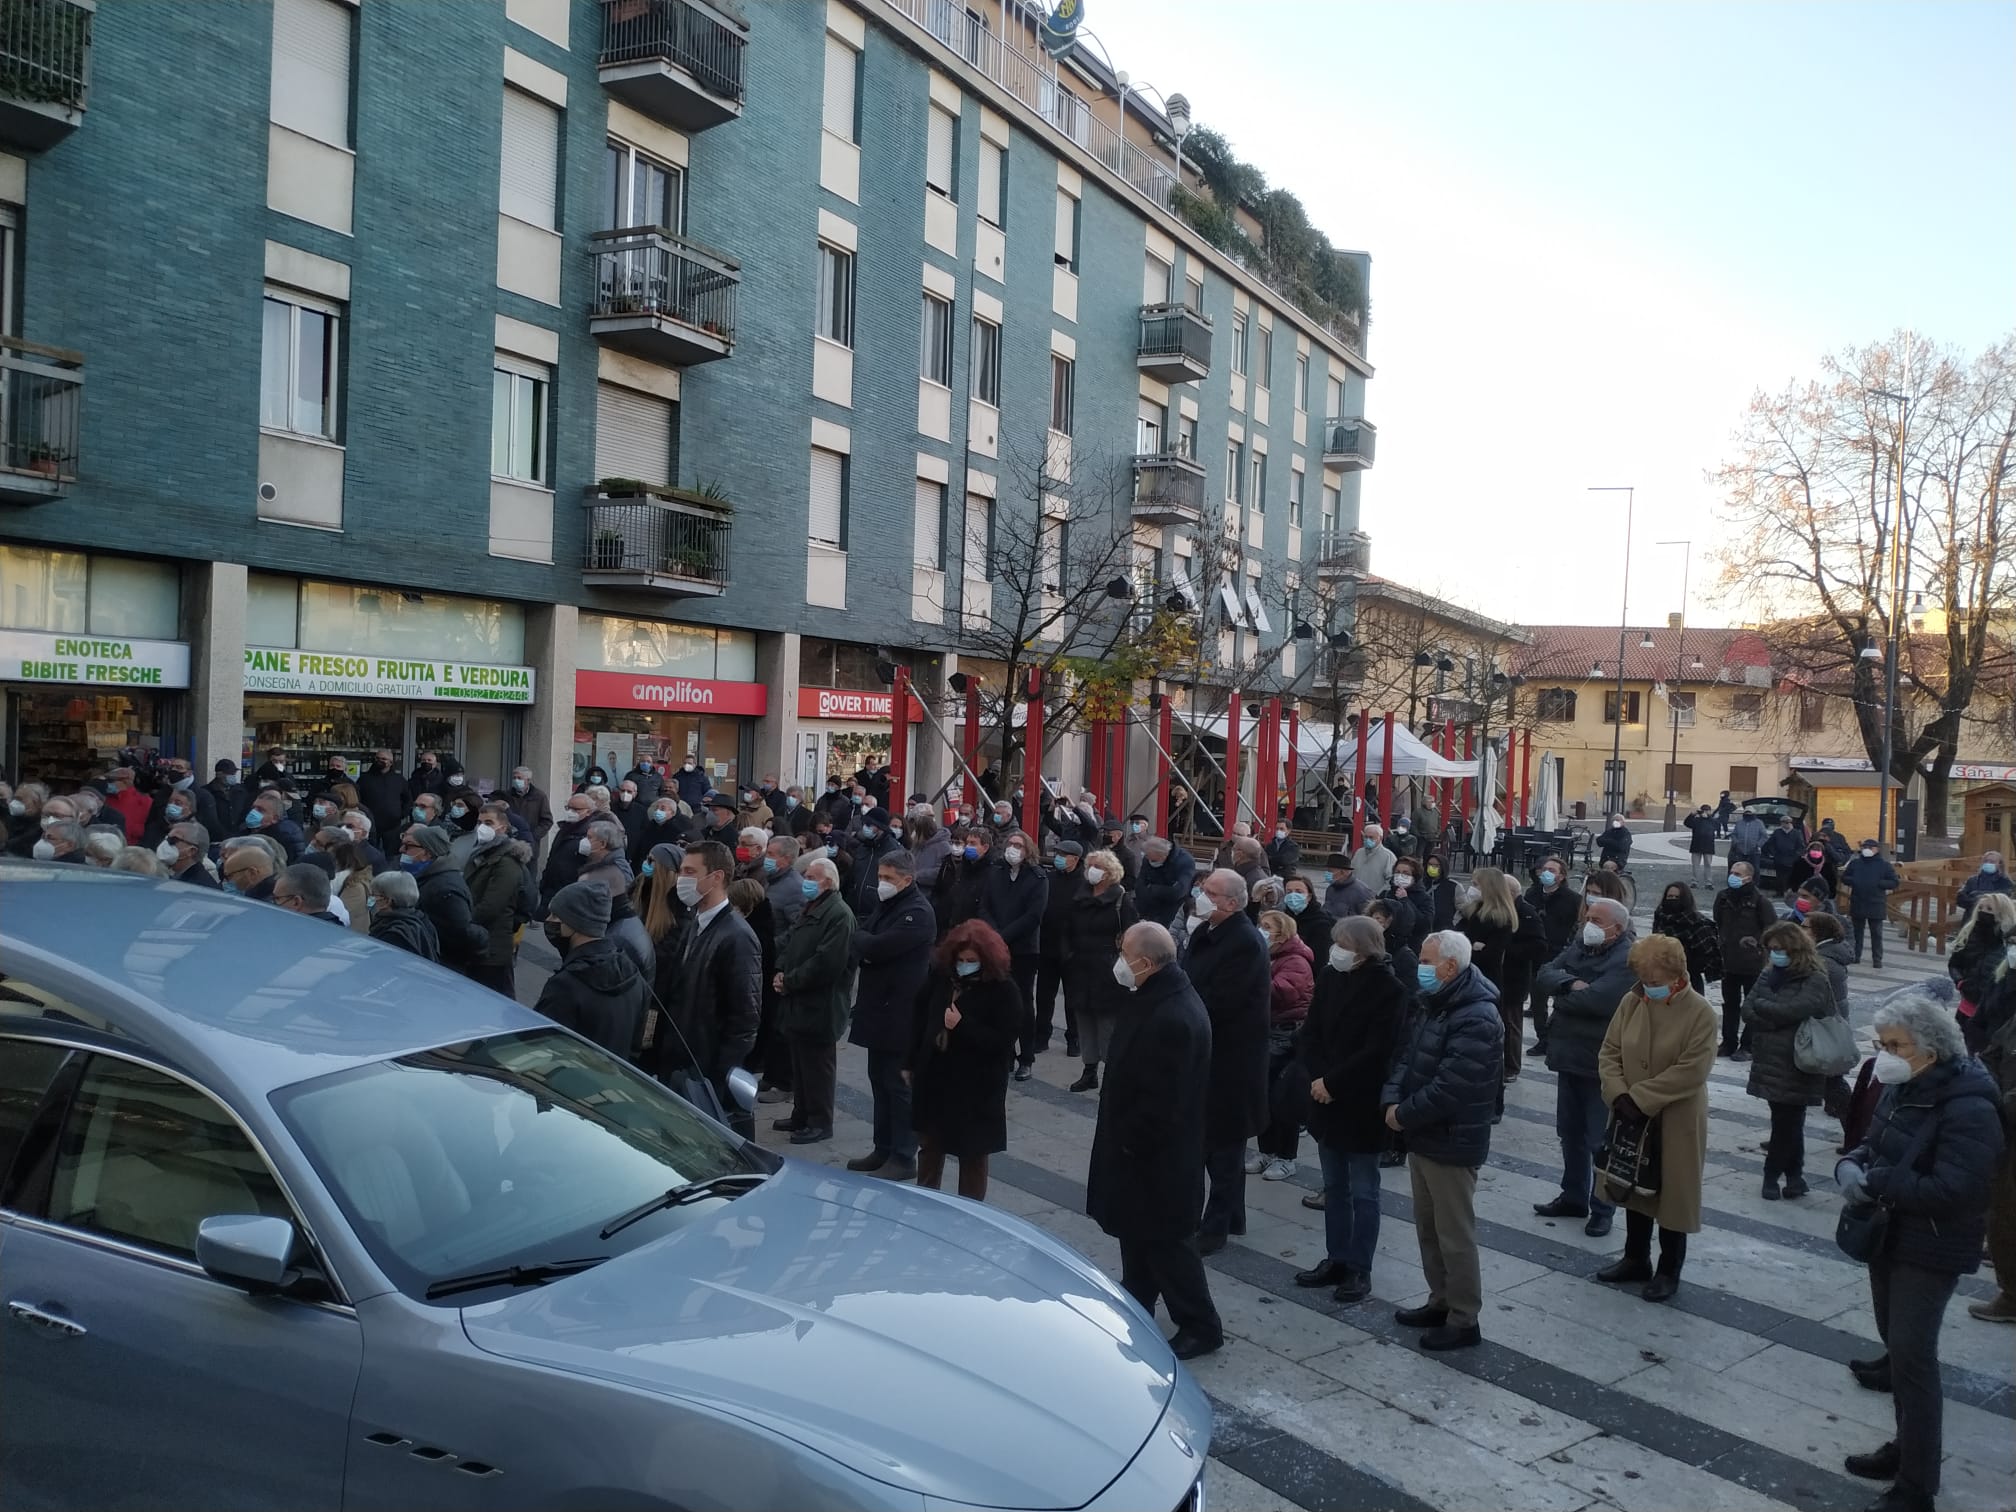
(1929, 1157)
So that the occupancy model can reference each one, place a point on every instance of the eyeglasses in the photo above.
(1903, 1047)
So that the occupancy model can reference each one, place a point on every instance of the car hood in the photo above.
(935, 1345)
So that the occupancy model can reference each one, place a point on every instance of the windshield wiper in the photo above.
(512, 1275)
(692, 1191)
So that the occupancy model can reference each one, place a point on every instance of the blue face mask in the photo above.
(412, 865)
(254, 818)
(1425, 975)
(971, 853)
(230, 886)
(648, 867)
(1660, 993)
(419, 816)
(809, 888)
(1780, 959)
(769, 866)
(869, 832)
(1295, 902)
(1735, 882)
(967, 968)
(1989, 868)
(790, 802)
(1061, 862)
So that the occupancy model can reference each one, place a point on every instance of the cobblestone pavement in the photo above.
(1584, 1397)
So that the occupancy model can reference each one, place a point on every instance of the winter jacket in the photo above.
(959, 1093)
(1746, 840)
(1437, 903)
(1614, 844)
(199, 875)
(649, 783)
(1346, 900)
(1835, 958)
(534, 807)
(1971, 966)
(1163, 889)
(1227, 964)
(1701, 834)
(892, 952)
(631, 937)
(710, 988)
(1773, 1010)
(229, 803)
(1284, 856)
(1092, 931)
(1742, 914)
(1347, 1042)
(632, 816)
(132, 806)
(1408, 926)
(1507, 954)
(1804, 869)
(283, 832)
(1939, 1203)
(386, 797)
(674, 831)
(1560, 914)
(1146, 1176)
(817, 965)
(1781, 848)
(352, 889)
(931, 857)
(1065, 886)
(1013, 902)
(1979, 886)
(1697, 935)
(495, 875)
(1870, 880)
(598, 992)
(1373, 865)
(1314, 926)
(692, 785)
(563, 861)
(444, 898)
(1582, 1017)
(409, 929)
(1294, 982)
(1445, 1080)
(859, 886)
(958, 896)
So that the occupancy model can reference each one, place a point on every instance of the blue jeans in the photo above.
(1350, 1208)
(1580, 1119)
(893, 1135)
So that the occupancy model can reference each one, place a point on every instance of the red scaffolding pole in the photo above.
(1386, 773)
(969, 740)
(1448, 783)
(1164, 733)
(1232, 712)
(1032, 756)
(899, 738)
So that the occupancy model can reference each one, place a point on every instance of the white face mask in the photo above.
(16, 807)
(1095, 875)
(1401, 882)
(1868, 854)
(1592, 935)
(1892, 1070)
(1204, 907)
(582, 846)
(1014, 855)
(1280, 834)
(485, 833)
(44, 851)
(688, 889)
(166, 851)
(456, 780)
(1343, 959)
(1123, 973)
(886, 890)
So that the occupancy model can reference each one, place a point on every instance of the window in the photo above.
(836, 294)
(986, 361)
(1681, 706)
(1295, 500)
(1742, 782)
(1063, 406)
(529, 171)
(1630, 707)
(1050, 554)
(297, 365)
(1157, 277)
(311, 69)
(1068, 211)
(827, 516)
(1069, 113)
(979, 549)
(1149, 426)
(1812, 712)
(993, 183)
(929, 536)
(1193, 291)
(641, 191)
(1260, 377)
(1186, 440)
(1331, 499)
(941, 152)
(636, 435)
(1234, 474)
(146, 1158)
(1302, 381)
(1555, 706)
(843, 78)
(1746, 711)
(1238, 342)
(518, 421)
(1257, 494)
(1680, 781)
(26, 1070)
(934, 359)
(1333, 399)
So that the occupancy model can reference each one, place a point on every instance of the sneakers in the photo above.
(2001, 1309)
(1278, 1170)
(1255, 1163)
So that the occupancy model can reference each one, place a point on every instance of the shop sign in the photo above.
(1975, 771)
(674, 695)
(838, 703)
(334, 674)
(31, 656)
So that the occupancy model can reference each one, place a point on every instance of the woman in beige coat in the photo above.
(1654, 1063)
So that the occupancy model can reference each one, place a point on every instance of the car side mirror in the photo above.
(247, 1250)
(742, 1087)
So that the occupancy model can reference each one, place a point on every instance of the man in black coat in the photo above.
(719, 822)
(430, 775)
(1145, 1183)
(1168, 872)
(892, 949)
(597, 991)
(1012, 899)
(563, 862)
(650, 782)
(716, 996)
(1067, 881)
(872, 841)
(385, 793)
(1560, 910)
(230, 796)
(444, 896)
(1227, 963)
(529, 802)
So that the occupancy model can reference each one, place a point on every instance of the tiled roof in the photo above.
(1568, 652)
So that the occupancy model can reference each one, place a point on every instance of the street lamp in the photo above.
(1673, 693)
(1613, 774)
(1896, 529)
(1178, 111)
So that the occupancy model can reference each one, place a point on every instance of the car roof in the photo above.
(216, 982)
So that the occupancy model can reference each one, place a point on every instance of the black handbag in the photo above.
(1630, 1158)
(1864, 1227)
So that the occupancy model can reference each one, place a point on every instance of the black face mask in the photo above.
(557, 940)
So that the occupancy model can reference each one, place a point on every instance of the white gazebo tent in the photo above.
(1412, 756)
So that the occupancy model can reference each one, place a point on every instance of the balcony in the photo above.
(1343, 554)
(678, 61)
(1348, 444)
(1168, 489)
(41, 402)
(662, 539)
(662, 298)
(45, 70)
(1175, 343)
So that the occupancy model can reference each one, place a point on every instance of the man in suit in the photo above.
(716, 991)
(1145, 1183)
(1227, 964)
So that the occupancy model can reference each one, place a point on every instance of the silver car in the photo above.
(292, 1219)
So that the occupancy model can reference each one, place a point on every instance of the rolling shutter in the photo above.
(990, 182)
(828, 496)
(633, 435)
(938, 153)
(930, 523)
(311, 69)
(841, 68)
(979, 531)
(531, 161)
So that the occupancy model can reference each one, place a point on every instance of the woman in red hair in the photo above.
(968, 1016)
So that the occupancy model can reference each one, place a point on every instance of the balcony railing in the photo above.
(1344, 553)
(41, 408)
(663, 297)
(1168, 489)
(1175, 345)
(674, 59)
(657, 538)
(45, 69)
(1349, 443)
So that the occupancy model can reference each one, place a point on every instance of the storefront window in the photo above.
(838, 664)
(42, 589)
(610, 643)
(135, 598)
(272, 607)
(348, 617)
(63, 736)
(617, 739)
(735, 656)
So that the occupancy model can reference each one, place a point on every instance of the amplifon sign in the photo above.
(838, 703)
(93, 660)
(335, 674)
(674, 695)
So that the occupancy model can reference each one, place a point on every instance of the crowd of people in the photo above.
(1219, 1007)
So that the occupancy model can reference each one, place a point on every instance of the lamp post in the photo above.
(1179, 122)
(1895, 613)
(1613, 774)
(1673, 694)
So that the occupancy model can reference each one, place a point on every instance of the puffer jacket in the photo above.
(1835, 958)
(930, 857)
(1581, 1018)
(444, 898)
(1294, 969)
(1742, 914)
(1013, 902)
(407, 928)
(1939, 1204)
(1870, 881)
(1774, 1010)
(1445, 1080)
(496, 875)
(599, 993)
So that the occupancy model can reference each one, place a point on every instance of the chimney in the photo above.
(1675, 621)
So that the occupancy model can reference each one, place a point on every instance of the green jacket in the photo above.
(816, 962)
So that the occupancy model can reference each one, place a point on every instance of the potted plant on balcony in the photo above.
(621, 488)
(608, 555)
(693, 561)
(45, 460)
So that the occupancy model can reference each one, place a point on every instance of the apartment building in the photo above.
(572, 380)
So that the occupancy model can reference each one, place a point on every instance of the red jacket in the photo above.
(134, 807)
(1294, 982)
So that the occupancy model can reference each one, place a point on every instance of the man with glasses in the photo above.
(304, 889)
(182, 851)
(248, 868)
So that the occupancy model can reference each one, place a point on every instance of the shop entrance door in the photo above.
(477, 737)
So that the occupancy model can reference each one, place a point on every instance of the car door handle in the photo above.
(54, 1322)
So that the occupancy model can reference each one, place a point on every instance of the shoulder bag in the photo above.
(1629, 1161)
(1861, 1229)
(1825, 1046)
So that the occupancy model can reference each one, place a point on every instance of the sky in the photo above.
(1596, 230)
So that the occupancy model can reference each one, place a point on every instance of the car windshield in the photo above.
(508, 1151)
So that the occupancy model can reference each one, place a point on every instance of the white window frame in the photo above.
(839, 542)
(827, 111)
(1295, 498)
(1193, 292)
(836, 303)
(931, 509)
(1256, 467)
(950, 188)
(985, 385)
(1333, 398)
(1302, 382)
(1151, 428)
(1150, 264)
(298, 304)
(993, 208)
(1066, 257)
(1238, 355)
(934, 341)
(630, 154)
(1063, 394)
(529, 382)
(1333, 502)
(1235, 472)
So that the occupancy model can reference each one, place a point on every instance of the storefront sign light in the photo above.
(96, 661)
(335, 674)
(840, 703)
(676, 695)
